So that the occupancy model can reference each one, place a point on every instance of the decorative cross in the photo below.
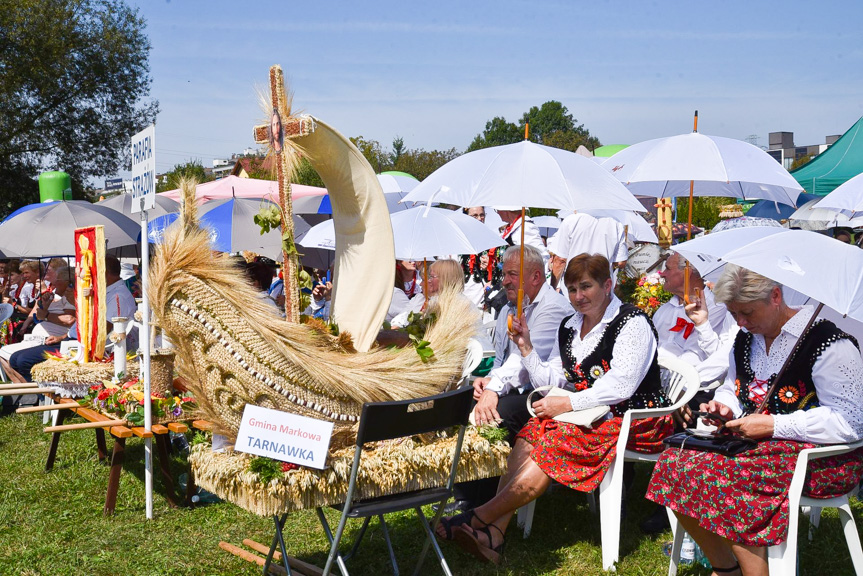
(280, 127)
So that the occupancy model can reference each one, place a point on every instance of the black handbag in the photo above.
(723, 443)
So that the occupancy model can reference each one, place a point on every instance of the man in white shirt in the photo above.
(512, 233)
(697, 338)
(700, 333)
(501, 396)
(583, 234)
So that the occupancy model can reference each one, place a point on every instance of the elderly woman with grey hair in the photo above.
(736, 506)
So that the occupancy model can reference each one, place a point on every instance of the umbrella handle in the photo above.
(686, 272)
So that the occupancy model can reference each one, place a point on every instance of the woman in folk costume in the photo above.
(736, 506)
(606, 352)
(407, 287)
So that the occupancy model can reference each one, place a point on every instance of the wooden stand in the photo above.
(118, 454)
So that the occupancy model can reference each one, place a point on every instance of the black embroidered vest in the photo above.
(649, 393)
(796, 390)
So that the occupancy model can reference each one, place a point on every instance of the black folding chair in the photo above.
(386, 421)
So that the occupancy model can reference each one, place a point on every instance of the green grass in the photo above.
(52, 524)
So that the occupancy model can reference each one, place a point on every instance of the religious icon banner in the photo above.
(90, 292)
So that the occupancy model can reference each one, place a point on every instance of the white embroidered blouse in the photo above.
(633, 353)
(838, 379)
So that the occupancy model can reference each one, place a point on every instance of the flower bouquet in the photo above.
(125, 399)
(649, 293)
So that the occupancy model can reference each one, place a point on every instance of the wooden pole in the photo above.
(425, 284)
(249, 557)
(22, 391)
(86, 425)
(48, 408)
(521, 269)
(17, 385)
(686, 268)
(691, 186)
(294, 563)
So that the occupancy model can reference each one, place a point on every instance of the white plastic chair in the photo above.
(680, 381)
(782, 558)
(471, 359)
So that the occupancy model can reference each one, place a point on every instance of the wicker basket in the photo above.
(161, 371)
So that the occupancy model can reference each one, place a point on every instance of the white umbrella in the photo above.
(848, 196)
(547, 225)
(524, 174)
(745, 222)
(820, 267)
(716, 166)
(50, 230)
(420, 233)
(122, 203)
(638, 229)
(814, 216)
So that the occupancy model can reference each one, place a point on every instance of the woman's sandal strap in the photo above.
(734, 568)
(486, 530)
(453, 522)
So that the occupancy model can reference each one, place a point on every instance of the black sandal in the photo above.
(465, 537)
(453, 522)
(735, 568)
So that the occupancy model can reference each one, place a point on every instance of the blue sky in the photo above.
(435, 72)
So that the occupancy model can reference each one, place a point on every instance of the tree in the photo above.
(75, 87)
(306, 174)
(802, 161)
(549, 118)
(705, 210)
(420, 163)
(398, 149)
(497, 133)
(374, 153)
(552, 125)
(192, 169)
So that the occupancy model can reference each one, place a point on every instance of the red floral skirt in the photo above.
(579, 457)
(745, 498)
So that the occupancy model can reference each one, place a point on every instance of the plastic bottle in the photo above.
(179, 442)
(687, 549)
(701, 558)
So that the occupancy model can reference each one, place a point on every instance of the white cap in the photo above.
(126, 271)
(509, 208)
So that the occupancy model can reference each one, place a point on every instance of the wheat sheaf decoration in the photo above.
(234, 351)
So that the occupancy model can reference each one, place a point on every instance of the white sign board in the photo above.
(284, 436)
(643, 258)
(144, 169)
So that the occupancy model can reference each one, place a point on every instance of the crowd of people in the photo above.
(575, 335)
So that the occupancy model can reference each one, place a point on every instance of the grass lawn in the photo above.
(52, 524)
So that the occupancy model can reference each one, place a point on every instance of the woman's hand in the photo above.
(723, 412)
(755, 426)
(520, 334)
(551, 406)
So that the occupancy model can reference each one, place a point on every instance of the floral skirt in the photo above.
(745, 498)
(579, 457)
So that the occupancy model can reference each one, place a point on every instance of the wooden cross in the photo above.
(285, 157)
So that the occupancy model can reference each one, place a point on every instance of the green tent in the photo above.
(839, 163)
(609, 150)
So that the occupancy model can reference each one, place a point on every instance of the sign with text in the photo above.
(284, 436)
(144, 169)
(113, 184)
(642, 260)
